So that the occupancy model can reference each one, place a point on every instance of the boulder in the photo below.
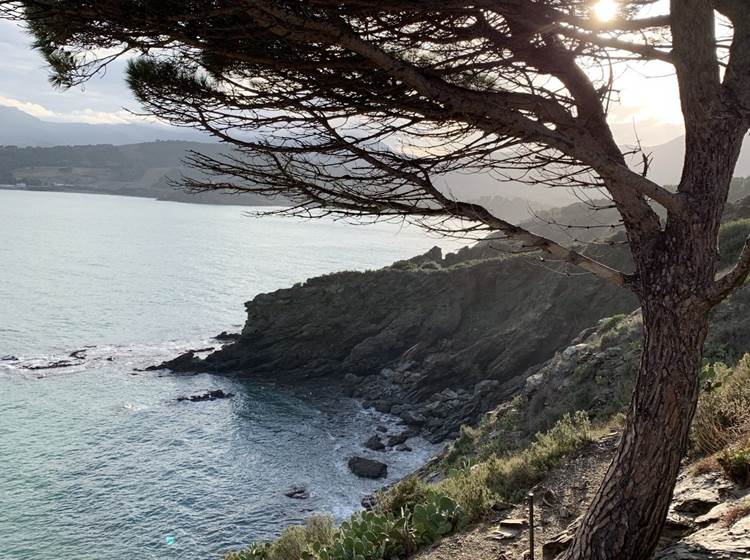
(367, 468)
(414, 419)
(369, 502)
(375, 443)
(557, 544)
(699, 495)
(398, 439)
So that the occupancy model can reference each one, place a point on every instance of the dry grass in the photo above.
(706, 465)
(734, 514)
(723, 416)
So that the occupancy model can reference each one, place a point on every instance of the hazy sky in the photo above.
(647, 100)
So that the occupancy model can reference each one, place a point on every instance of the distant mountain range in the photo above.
(134, 159)
(666, 167)
(18, 128)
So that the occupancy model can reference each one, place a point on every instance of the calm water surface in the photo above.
(100, 462)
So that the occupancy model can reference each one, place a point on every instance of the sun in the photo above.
(605, 10)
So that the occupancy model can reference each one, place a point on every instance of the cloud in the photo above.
(89, 116)
(25, 85)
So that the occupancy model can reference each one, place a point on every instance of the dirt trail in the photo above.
(559, 501)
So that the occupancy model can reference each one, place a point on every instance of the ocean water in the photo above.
(99, 461)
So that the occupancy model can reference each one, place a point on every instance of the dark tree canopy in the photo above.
(360, 107)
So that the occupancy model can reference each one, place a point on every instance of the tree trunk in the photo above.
(628, 512)
(675, 270)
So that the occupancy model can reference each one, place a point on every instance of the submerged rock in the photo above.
(207, 396)
(297, 493)
(367, 468)
(54, 365)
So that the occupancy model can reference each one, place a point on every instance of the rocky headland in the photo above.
(438, 340)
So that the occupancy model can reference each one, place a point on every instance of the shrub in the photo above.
(295, 543)
(497, 433)
(435, 519)
(320, 529)
(736, 464)
(611, 323)
(706, 465)
(256, 551)
(469, 490)
(374, 536)
(723, 415)
(732, 238)
(292, 544)
(368, 536)
(464, 446)
(510, 477)
(402, 497)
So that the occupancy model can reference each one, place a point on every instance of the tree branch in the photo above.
(732, 279)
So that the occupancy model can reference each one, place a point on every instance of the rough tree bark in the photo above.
(628, 513)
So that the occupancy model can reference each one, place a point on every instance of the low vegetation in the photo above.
(366, 536)
(736, 513)
(721, 429)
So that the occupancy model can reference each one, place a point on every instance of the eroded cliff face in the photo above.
(434, 340)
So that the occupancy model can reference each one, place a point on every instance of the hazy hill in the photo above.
(667, 161)
(18, 128)
(125, 159)
(129, 170)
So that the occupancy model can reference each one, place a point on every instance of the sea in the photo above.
(99, 460)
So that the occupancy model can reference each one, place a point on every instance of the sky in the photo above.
(647, 103)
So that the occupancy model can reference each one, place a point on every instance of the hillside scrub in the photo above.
(723, 416)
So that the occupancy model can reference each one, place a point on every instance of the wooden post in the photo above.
(531, 525)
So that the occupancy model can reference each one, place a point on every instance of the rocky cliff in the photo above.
(436, 340)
